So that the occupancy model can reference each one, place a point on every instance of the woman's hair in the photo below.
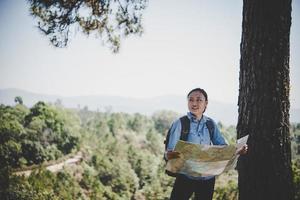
(199, 90)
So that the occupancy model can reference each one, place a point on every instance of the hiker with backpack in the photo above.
(199, 129)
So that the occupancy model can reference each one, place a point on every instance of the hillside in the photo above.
(224, 112)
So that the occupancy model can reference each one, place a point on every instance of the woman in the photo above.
(185, 185)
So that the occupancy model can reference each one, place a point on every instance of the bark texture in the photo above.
(265, 172)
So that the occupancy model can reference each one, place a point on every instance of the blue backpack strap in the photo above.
(211, 127)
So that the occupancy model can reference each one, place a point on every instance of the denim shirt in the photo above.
(199, 134)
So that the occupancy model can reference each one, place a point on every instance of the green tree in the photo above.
(107, 19)
(50, 125)
(155, 143)
(116, 173)
(144, 165)
(42, 185)
(11, 133)
(20, 111)
(33, 152)
(163, 119)
(19, 100)
(296, 179)
(265, 172)
(139, 123)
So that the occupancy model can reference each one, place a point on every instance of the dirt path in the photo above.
(56, 167)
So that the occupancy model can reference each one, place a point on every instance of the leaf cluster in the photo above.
(32, 136)
(110, 20)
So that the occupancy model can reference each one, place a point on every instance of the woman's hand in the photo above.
(172, 155)
(243, 150)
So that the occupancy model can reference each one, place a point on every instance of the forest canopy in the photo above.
(122, 154)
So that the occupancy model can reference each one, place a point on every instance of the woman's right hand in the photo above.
(172, 155)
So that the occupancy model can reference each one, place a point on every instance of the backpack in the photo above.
(185, 129)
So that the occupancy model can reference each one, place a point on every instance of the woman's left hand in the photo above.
(243, 150)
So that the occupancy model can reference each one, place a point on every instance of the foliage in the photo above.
(19, 100)
(229, 133)
(126, 162)
(44, 185)
(226, 193)
(226, 186)
(163, 119)
(32, 136)
(132, 143)
(110, 20)
(295, 143)
(11, 132)
(123, 154)
(296, 179)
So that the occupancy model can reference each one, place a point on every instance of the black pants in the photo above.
(184, 188)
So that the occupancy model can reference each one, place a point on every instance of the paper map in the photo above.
(205, 160)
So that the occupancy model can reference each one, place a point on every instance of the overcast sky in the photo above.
(187, 44)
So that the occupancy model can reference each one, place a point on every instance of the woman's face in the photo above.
(197, 103)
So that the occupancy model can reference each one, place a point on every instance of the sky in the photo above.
(187, 44)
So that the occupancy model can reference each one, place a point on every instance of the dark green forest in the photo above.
(122, 154)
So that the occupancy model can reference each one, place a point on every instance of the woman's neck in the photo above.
(198, 117)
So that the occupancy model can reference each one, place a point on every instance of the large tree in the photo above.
(110, 20)
(265, 172)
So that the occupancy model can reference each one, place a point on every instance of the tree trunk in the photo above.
(265, 172)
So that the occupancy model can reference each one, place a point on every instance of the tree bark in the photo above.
(265, 172)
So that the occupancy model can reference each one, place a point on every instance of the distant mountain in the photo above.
(224, 112)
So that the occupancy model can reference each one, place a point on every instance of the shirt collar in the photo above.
(192, 117)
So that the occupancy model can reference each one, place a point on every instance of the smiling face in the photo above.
(197, 103)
